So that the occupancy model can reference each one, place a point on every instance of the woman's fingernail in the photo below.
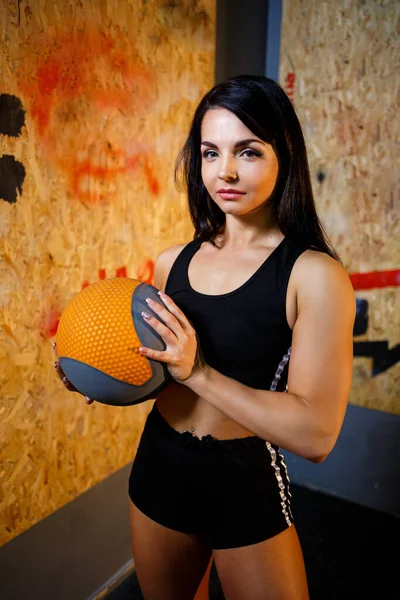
(56, 364)
(65, 380)
(146, 315)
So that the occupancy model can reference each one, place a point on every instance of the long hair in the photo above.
(263, 106)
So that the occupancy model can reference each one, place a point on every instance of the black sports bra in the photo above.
(243, 334)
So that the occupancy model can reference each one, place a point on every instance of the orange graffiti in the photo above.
(102, 274)
(87, 94)
(145, 270)
(48, 322)
(121, 272)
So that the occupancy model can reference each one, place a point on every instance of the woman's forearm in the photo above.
(281, 418)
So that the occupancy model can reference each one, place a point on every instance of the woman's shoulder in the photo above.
(317, 260)
(164, 262)
(317, 272)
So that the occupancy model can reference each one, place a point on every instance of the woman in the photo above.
(258, 322)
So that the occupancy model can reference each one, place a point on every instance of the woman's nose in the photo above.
(228, 171)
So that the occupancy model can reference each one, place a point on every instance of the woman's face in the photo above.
(233, 158)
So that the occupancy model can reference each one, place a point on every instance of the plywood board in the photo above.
(339, 64)
(99, 97)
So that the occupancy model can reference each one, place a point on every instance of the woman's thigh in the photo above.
(169, 564)
(273, 569)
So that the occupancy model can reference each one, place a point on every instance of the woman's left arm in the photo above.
(307, 419)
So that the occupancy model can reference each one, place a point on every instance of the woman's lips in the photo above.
(230, 194)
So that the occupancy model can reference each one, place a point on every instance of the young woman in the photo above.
(258, 323)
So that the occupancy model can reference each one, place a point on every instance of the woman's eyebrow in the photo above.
(237, 144)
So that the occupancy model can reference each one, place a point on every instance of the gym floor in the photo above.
(350, 551)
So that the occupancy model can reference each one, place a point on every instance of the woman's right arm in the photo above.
(162, 267)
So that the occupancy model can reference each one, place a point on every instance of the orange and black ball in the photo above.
(98, 340)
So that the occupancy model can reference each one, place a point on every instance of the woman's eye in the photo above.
(251, 153)
(207, 154)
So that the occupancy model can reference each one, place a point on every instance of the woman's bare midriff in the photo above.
(184, 410)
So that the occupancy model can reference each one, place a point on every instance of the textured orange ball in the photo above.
(98, 340)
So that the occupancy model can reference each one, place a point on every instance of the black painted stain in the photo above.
(361, 321)
(12, 172)
(12, 115)
(320, 176)
(12, 175)
(382, 356)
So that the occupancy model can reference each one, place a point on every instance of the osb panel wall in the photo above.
(340, 67)
(95, 102)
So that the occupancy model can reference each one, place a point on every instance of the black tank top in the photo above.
(243, 334)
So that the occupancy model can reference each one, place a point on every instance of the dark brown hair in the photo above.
(263, 106)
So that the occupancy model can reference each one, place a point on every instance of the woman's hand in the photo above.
(61, 375)
(182, 354)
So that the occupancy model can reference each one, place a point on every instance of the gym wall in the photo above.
(95, 103)
(339, 63)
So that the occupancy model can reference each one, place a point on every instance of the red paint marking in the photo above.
(48, 323)
(105, 175)
(120, 272)
(375, 279)
(152, 180)
(69, 71)
(132, 162)
(102, 274)
(60, 80)
(145, 271)
(290, 79)
(289, 83)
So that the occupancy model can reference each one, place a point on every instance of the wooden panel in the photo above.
(107, 91)
(340, 65)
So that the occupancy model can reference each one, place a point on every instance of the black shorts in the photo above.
(230, 492)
